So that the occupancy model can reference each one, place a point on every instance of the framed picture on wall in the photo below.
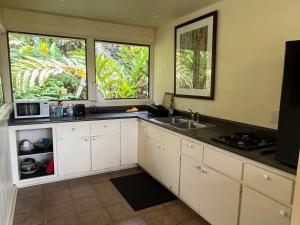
(195, 57)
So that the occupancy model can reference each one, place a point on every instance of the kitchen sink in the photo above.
(182, 123)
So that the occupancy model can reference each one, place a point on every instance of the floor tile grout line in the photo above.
(76, 211)
(73, 199)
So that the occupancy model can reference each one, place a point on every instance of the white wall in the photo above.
(25, 21)
(7, 189)
(250, 55)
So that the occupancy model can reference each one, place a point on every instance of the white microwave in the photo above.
(26, 109)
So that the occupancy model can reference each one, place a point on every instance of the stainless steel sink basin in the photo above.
(182, 123)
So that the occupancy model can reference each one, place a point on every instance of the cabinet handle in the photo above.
(105, 126)
(265, 177)
(94, 138)
(163, 148)
(204, 171)
(86, 139)
(159, 146)
(282, 213)
(191, 146)
(73, 129)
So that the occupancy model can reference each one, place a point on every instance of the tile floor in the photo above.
(94, 200)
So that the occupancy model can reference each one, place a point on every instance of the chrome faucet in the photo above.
(192, 114)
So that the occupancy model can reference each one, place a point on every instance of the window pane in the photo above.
(122, 70)
(1, 93)
(46, 67)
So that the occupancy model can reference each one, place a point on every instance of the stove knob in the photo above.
(282, 213)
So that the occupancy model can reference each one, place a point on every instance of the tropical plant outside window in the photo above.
(47, 67)
(122, 70)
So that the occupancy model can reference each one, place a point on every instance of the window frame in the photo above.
(1, 86)
(149, 69)
(54, 36)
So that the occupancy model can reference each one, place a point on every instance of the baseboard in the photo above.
(12, 206)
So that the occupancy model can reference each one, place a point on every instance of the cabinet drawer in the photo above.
(106, 127)
(276, 186)
(73, 130)
(192, 150)
(257, 209)
(164, 137)
(223, 163)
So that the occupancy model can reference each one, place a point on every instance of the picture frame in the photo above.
(195, 57)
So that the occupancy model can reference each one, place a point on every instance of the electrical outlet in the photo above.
(274, 117)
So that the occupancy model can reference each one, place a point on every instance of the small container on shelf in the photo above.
(36, 166)
(42, 146)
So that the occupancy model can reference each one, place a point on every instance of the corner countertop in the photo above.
(204, 135)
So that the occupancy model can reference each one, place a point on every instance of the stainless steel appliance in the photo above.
(26, 109)
(79, 110)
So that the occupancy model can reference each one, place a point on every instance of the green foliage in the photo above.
(185, 64)
(47, 67)
(122, 71)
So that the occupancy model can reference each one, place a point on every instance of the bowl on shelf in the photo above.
(29, 166)
(26, 146)
(40, 146)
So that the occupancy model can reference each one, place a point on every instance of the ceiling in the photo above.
(148, 13)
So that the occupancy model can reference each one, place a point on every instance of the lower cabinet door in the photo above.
(129, 142)
(219, 198)
(257, 209)
(142, 142)
(190, 182)
(170, 166)
(153, 158)
(106, 152)
(73, 155)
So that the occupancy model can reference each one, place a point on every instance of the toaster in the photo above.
(79, 110)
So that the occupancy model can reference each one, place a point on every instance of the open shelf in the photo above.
(40, 173)
(37, 151)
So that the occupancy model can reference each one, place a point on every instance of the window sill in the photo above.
(122, 102)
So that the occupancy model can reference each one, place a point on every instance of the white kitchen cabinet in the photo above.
(163, 163)
(73, 130)
(142, 142)
(105, 127)
(170, 167)
(105, 152)
(219, 198)
(73, 155)
(153, 158)
(257, 209)
(190, 182)
(129, 135)
(273, 185)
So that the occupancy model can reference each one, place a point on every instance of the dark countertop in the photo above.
(221, 127)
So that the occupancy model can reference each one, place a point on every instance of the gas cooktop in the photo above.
(245, 141)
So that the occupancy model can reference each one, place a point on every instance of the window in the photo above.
(122, 70)
(47, 67)
(1, 93)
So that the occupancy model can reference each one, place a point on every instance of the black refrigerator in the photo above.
(288, 140)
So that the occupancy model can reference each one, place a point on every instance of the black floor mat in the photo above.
(142, 191)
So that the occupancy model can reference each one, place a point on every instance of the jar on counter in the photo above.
(70, 110)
